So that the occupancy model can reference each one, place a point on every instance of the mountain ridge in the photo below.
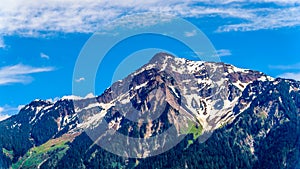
(213, 95)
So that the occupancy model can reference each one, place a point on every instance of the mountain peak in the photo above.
(39, 102)
(195, 98)
(160, 57)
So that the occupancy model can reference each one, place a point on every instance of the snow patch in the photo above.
(71, 97)
(240, 85)
(174, 91)
(37, 110)
(89, 96)
(93, 120)
(236, 69)
(141, 85)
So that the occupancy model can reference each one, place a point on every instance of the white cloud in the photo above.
(223, 52)
(44, 56)
(6, 111)
(295, 76)
(283, 2)
(19, 73)
(20, 107)
(2, 44)
(286, 67)
(3, 117)
(267, 19)
(80, 79)
(41, 18)
(190, 34)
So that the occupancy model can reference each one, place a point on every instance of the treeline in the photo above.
(228, 147)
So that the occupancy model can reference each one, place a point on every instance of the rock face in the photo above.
(217, 115)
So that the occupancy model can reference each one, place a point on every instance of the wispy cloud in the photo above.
(20, 107)
(190, 34)
(295, 76)
(6, 111)
(44, 56)
(20, 73)
(266, 18)
(37, 18)
(80, 79)
(2, 44)
(223, 52)
(286, 67)
(3, 117)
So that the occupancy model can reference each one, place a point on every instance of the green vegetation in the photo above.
(37, 155)
(225, 148)
(190, 142)
(48, 147)
(196, 131)
(8, 153)
(19, 163)
(193, 129)
(116, 165)
(223, 125)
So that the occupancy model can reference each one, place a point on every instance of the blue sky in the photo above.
(40, 41)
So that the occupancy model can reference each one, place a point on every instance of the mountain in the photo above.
(170, 113)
